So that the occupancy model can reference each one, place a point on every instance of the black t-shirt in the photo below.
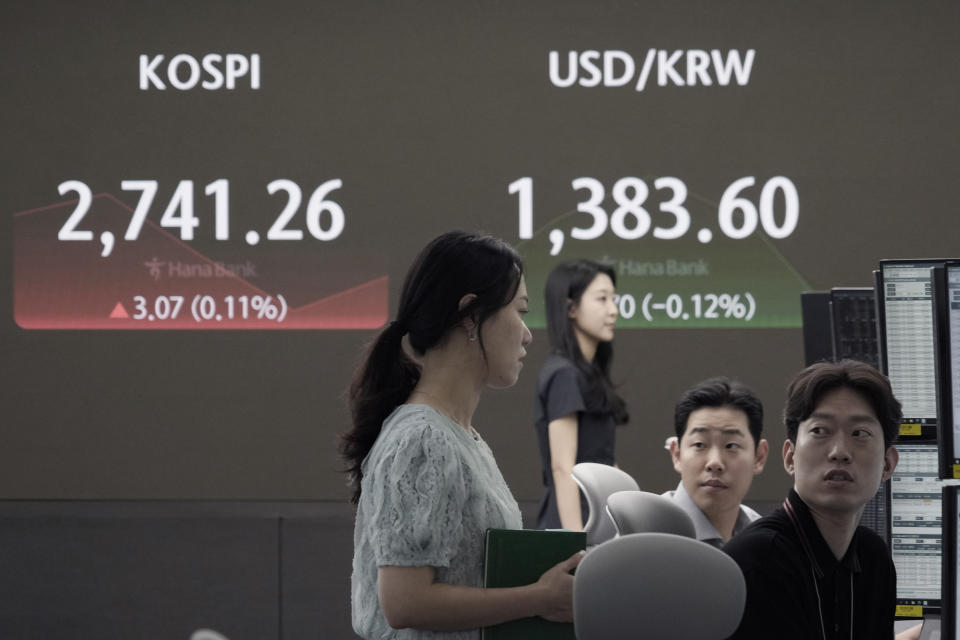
(561, 390)
(798, 590)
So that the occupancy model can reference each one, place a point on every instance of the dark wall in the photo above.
(173, 569)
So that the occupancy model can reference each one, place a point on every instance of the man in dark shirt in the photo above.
(811, 572)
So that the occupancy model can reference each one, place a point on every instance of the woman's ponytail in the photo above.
(382, 383)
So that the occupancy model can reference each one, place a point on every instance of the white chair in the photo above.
(598, 481)
(644, 512)
(657, 585)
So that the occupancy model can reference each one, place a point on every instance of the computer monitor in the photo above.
(946, 293)
(907, 343)
(950, 621)
(853, 315)
(840, 324)
(916, 529)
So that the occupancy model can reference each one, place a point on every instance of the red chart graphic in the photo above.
(160, 282)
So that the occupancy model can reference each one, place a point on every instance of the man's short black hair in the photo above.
(720, 392)
(808, 388)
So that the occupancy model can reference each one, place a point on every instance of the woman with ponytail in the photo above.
(424, 481)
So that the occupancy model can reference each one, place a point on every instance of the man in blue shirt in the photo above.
(717, 452)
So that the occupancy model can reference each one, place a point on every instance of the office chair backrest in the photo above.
(598, 481)
(657, 585)
(644, 512)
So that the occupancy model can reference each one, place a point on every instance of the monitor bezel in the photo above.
(948, 579)
(949, 463)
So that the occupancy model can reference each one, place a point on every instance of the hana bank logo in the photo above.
(680, 68)
(159, 269)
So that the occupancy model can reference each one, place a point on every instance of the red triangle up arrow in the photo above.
(119, 312)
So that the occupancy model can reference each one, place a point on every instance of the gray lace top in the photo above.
(429, 492)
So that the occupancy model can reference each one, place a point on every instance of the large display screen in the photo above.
(209, 209)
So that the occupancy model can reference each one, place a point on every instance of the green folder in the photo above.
(516, 557)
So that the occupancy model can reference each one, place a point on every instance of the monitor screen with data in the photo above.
(916, 529)
(908, 343)
(948, 353)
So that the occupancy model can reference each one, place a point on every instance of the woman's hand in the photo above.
(557, 584)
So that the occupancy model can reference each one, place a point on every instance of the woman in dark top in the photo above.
(577, 409)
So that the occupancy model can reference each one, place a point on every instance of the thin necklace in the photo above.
(443, 410)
